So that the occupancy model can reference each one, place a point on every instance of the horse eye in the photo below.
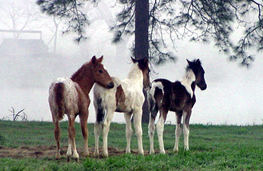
(100, 71)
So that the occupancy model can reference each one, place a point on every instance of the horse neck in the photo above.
(189, 81)
(83, 77)
(189, 77)
(193, 86)
(136, 75)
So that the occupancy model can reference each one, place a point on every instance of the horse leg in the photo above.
(129, 131)
(151, 128)
(138, 128)
(177, 131)
(160, 128)
(57, 134)
(83, 123)
(105, 131)
(97, 129)
(186, 129)
(72, 151)
(97, 124)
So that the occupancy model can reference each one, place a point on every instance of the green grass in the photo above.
(211, 148)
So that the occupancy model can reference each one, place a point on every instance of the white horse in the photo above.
(127, 97)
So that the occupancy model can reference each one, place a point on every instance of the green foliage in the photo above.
(201, 20)
(28, 164)
(211, 160)
(69, 11)
(2, 139)
(211, 148)
(26, 133)
(215, 19)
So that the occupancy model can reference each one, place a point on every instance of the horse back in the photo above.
(172, 95)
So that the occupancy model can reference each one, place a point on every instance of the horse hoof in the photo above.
(141, 152)
(96, 154)
(106, 155)
(176, 150)
(86, 154)
(152, 152)
(58, 157)
(162, 152)
(128, 151)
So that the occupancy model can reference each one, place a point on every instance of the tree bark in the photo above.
(142, 41)
(145, 109)
(141, 29)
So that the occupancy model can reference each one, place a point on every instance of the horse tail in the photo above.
(152, 103)
(100, 109)
(156, 90)
(59, 96)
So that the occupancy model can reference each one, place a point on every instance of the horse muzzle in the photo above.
(110, 85)
(203, 87)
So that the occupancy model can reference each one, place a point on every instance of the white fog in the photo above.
(234, 93)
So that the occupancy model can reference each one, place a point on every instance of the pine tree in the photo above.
(153, 20)
(201, 20)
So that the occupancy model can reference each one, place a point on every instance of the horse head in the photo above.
(144, 67)
(199, 72)
(100, 74)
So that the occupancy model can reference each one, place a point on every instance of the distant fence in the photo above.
(23, 31)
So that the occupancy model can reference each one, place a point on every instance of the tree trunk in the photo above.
(142, 41)
(145, 109)
(141, 29)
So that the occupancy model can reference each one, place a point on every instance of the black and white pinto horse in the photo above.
(178, 97)
(127, 97)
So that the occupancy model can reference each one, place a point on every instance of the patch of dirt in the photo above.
(49, 152)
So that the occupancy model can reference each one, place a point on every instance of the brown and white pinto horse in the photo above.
(178, 97)
(127, 97)
(71, 96)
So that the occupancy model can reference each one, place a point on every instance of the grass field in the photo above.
(211, 148)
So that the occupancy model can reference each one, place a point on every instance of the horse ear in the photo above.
(189, 62)
(198, 61)
(94, 59)
(100, 59)
(133, 60)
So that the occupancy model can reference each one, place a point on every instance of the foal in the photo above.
(71, 96)
(127, 97)
(178, 97)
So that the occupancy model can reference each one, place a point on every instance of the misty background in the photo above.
(234, 93)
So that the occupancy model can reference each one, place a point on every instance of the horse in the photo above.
(70, 96)
(127, 97)
(178, 97)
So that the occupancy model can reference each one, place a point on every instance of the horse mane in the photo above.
(80, 72)
(134, 70)
(193, 64)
